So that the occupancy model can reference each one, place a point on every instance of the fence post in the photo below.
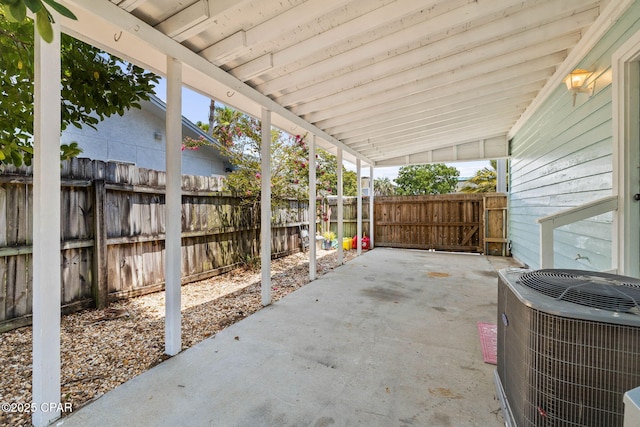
(100, 287)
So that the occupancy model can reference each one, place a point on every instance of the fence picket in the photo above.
(219, 231)
(131, 259)
(452, 222)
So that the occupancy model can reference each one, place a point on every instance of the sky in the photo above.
(195, 107)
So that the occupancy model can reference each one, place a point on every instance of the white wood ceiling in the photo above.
(394, 81)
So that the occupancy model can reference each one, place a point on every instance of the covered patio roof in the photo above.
(390, 82)
(380, 82)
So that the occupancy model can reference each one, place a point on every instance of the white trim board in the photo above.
(626, 155)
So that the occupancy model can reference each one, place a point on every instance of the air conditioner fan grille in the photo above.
(588, 288)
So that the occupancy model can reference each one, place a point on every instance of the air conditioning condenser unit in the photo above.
(568, 346)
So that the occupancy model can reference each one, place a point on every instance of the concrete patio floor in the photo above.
(389, 339)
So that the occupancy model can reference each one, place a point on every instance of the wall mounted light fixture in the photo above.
(576, 83)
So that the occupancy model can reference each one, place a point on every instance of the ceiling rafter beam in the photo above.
(438, 19)
(213, 11)
(426, 101)
(130, 5)
(505, 111)
(446, 55)
(176, 26)
(254, 68)
(282, 24)
(463, 109)
(347, 61)
(407, 135)
(430, 89)
(368, 36)
(407, 106)
(226, 49)
(361, 24)
(99, 16)
(466, 152)
(425, 130)
(429, 81)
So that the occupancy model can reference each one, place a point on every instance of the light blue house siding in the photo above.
(562, 158)
(138, 137)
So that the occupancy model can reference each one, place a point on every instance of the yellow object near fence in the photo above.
(346, 243)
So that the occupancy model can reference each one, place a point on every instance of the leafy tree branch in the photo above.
(16, 11)
(94, 85)
(435, 178)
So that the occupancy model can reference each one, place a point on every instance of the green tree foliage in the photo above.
(484, 181)
(16, 11)
(203, 126)
(328, 173)
(435, 178)
(240, 140)
(94, 85)
(383, 187)
(349, 183)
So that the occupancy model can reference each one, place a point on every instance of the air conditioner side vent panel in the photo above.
(561, 363)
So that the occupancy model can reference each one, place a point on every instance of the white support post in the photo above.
(371, 200)
(312, 208)
(173, 207)
(359, 216)
(340, 208)
(46, 229)
(501, 175)
(265, 208)
(546, 244)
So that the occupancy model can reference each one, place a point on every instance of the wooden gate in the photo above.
(449, 222)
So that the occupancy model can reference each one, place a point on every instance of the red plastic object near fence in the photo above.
(366, 242)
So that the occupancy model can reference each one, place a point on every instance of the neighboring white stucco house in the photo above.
(138, 137)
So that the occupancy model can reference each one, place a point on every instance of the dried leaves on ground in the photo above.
(101, 349)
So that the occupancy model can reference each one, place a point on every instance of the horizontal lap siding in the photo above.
(562, 158)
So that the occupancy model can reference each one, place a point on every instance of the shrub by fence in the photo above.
(113, 224)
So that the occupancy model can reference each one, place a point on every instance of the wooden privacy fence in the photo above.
(450, 222)
(349, 215)
(113, 225)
